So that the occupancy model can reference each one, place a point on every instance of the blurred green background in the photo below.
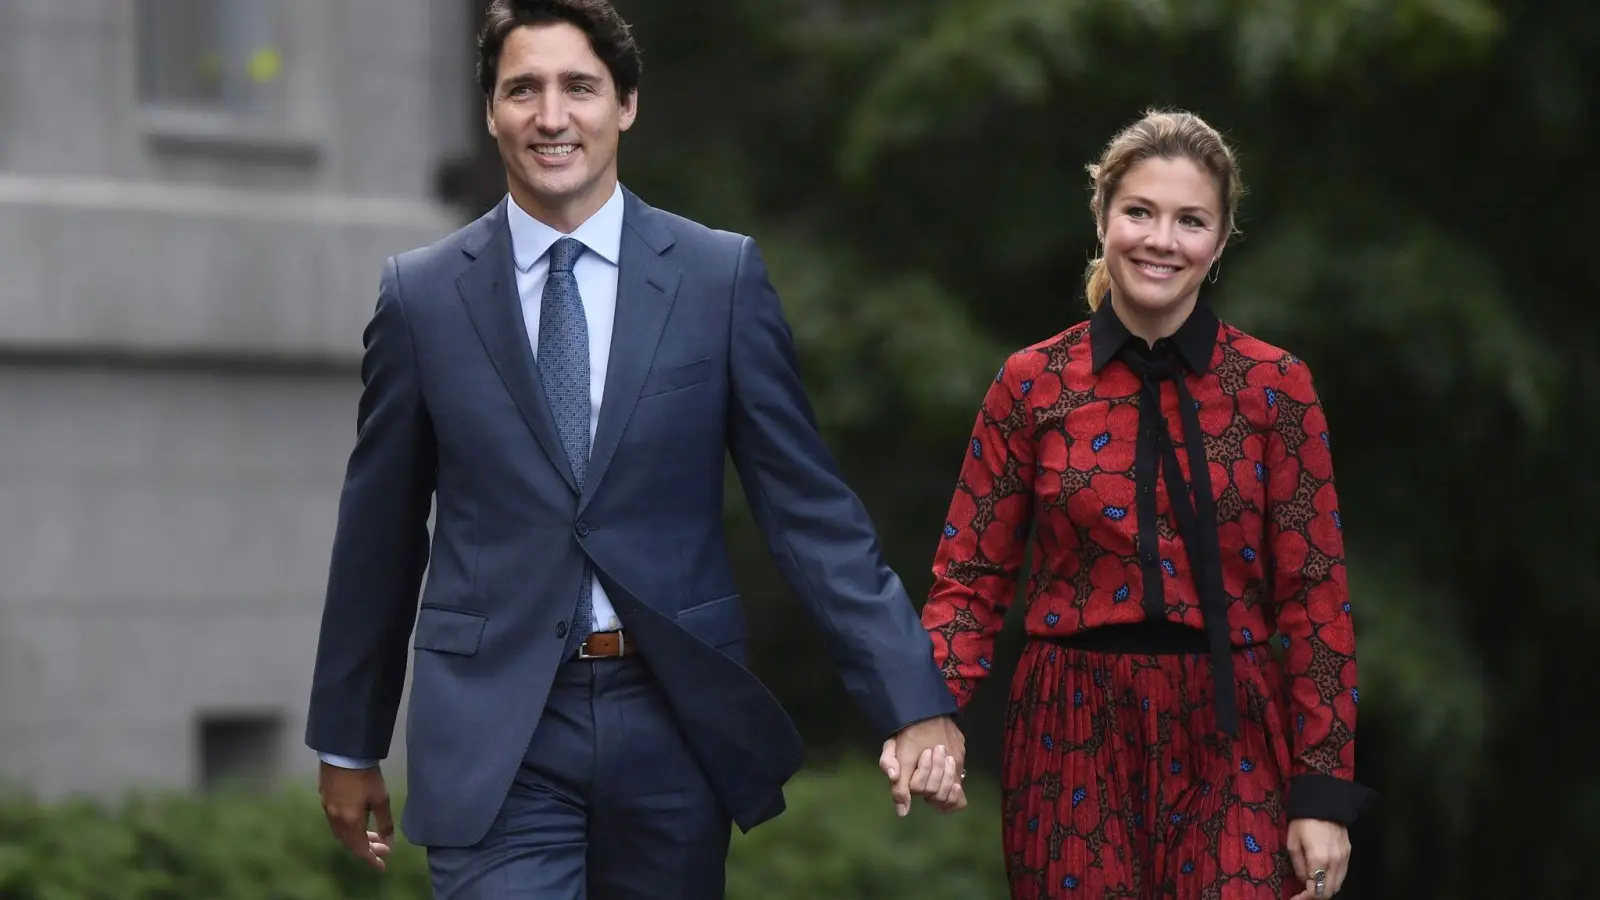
(914, 172)
(1416, 228)
(839, 840)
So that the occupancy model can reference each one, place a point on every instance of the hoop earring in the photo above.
(1216, 270)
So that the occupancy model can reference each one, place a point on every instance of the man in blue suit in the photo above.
(560, 381)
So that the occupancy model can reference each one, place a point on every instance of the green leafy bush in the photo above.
(839, 840)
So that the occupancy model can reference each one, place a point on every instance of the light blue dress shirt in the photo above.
(596, 271)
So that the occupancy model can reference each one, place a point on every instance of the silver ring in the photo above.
(963, 774)
(1320, 876)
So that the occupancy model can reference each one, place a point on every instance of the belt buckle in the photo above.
(622, 648)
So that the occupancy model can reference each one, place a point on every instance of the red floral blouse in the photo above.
(1064, 448)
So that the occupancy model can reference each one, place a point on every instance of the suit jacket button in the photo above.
(561, 629)
(583, 529)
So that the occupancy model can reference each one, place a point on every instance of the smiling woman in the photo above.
(1176, 478)
(1165, 195)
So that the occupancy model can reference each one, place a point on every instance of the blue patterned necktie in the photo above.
(564, 367)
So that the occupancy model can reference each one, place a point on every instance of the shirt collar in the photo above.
(1194, 339)
(601, 233)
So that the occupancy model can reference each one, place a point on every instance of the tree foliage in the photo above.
(1415, 228)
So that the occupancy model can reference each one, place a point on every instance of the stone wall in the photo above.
(182, 294)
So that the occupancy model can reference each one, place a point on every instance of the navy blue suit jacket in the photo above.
(453, 415)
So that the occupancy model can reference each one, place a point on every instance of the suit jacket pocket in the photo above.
(676, 378)
(717, 622)
(449, 630)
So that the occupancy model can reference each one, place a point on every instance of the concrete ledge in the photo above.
(180, 270)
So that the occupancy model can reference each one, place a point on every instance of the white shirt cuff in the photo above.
(346, 762)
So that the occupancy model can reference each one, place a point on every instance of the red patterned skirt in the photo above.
(1117, 783)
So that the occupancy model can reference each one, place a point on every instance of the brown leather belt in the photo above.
(606, 645)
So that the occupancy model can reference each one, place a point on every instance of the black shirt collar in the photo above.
(1194, 339)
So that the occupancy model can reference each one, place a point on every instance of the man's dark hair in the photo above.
(609, 36)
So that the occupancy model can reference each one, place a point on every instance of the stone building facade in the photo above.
(196, 197)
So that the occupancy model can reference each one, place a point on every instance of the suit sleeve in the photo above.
(816, 528)
(380, 547)
(1311, 599)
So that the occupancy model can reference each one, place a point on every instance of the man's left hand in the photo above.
(926, 758)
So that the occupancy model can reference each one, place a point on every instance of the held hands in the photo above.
(1321, 854)
(348, 797)
(927, 759)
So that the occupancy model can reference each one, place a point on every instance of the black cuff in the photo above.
(1329, 798)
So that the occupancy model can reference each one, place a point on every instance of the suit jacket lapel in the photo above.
(647, 284)
(489, 289)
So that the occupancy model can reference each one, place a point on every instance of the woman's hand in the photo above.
(937, 778)
(1319, 848)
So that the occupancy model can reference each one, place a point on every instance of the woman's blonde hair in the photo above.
(1170, 135)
